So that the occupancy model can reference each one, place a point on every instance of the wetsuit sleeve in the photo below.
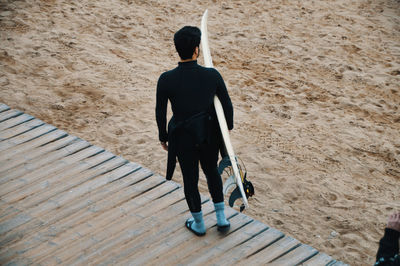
(388, 247)
(161, 109)
(223, 96)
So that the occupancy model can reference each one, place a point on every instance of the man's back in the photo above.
(191, 89)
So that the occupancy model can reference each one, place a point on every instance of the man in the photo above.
(388, 252)
(193, 133)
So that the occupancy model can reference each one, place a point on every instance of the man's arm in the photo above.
(161, 110)
(225, 100)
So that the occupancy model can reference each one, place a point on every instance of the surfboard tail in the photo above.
(230, 186)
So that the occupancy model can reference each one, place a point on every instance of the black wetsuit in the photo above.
(388, 252)
(191, 89)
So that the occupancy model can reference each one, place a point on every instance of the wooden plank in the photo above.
(11, 160)
(24, 192)
(180, 248)
(9, 114)
(86, 182)
(247, 248)
(106, 197)
(46, 162)
(104, 169)
(160, 224)
(143, 173)
(4, 107)
(140, 230)
(54, 184)
(338, 263)
(169, 229)
(45, 252)
(242, 227)
(17, 255)
(15, 121)
(176, 240)
(83, 213)
(77, 191)
(21, 128)
(6, 209)
(16, 221)
(296, 256)
(78, 210)
(33, 144)
(44, 206)
(123, 224)
(22, 168)
(93, 182)
(26, 174)
(320, 259)
(40, 210)
(222, 245)
(27, 136)
(271, 252)
(112, 246)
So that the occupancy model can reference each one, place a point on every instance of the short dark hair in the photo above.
(186, 40)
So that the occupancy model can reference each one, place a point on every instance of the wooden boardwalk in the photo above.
(65, 201)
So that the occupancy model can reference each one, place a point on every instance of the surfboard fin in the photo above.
(231, 182)
(228, 184)
(248, 189)
(234, 196)
(224, 163)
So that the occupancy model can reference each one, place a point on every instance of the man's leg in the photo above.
(208, 161)
(189, 162)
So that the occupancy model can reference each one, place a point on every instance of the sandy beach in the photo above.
(315, 87)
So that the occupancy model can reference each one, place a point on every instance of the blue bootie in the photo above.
(196, 224)
(222, 223)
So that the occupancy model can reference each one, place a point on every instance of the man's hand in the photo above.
(164, 145)
(394, 221)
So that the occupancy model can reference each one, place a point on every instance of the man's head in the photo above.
(186, 40)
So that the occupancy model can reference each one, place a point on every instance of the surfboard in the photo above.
(220, 112)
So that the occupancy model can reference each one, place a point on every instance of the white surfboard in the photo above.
(220, 112)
